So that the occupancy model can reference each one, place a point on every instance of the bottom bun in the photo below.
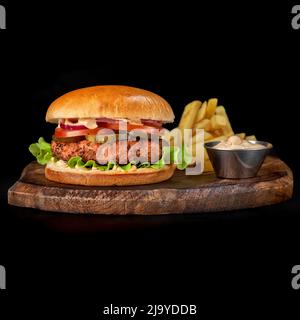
(87, 177)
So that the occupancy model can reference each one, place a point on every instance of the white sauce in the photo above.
(236, 143)
(61, 163)
(87, 122)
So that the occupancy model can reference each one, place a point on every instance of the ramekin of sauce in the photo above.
(236, 158)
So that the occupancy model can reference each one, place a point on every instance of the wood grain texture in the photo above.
(180, 194)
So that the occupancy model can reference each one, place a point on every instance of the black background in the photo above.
(229, 264)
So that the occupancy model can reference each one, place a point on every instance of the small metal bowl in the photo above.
(237, 164)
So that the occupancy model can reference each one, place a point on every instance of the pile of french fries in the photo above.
(213, 120)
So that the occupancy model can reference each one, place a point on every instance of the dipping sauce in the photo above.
(236, 143)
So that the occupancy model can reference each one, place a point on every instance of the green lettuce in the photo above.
(77, 162)
(158, 164)
(42, 151)
(126, 167)
(144, 165)
(179, 156)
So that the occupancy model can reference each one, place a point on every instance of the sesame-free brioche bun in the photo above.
(110, 102)
(108, 178)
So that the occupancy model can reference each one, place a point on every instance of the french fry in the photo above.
(201, 113)
(218, 122)
(211, 107)
(208, 166)
(203, 124)
(206, 157)
(241, 135)
(194, 152)
(189, 114)
(197, 143)
(217, 133)
(253, 138)
(198, 149)
(214, 121)
(227, 130)
(197, 138)
(207, 136)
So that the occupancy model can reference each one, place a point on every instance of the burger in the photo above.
(93, 144)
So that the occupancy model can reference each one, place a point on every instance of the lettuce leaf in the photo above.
(184, 158)
(144, 165)
(158, 164)
(126, 167)
(179, 156)
(77, 162)
(42, 151)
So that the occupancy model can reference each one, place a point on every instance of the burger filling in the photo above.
(104, 143)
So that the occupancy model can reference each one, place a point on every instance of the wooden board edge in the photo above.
(29, 199)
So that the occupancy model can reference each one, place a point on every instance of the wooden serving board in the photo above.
(180, 194)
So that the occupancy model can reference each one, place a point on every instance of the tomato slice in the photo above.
(62, 133)
(152, 123)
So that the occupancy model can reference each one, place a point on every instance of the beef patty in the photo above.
(103, 153)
